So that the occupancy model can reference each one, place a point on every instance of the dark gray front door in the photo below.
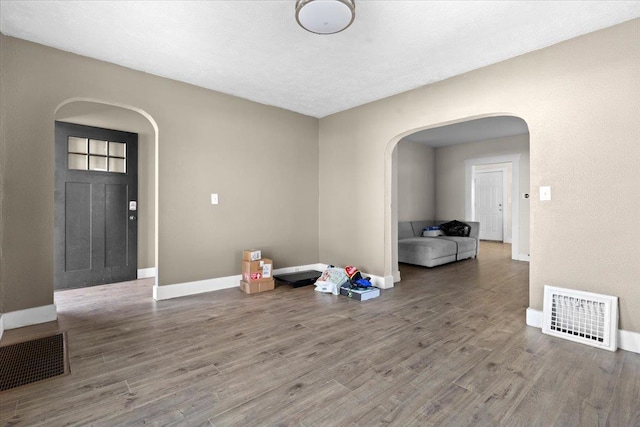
(96, 193)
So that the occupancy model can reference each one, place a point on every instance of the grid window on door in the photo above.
(96, 155)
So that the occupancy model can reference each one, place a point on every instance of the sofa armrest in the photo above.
(475, 228)
(475, 233)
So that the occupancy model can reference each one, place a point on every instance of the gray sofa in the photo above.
(433, 251)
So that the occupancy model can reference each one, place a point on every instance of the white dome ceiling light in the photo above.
(325, 16)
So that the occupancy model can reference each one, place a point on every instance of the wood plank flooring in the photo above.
(446, 346)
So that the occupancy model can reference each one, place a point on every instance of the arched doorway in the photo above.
(463, 145)
(97, 113)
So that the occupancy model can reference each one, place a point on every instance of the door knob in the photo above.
(132, 217)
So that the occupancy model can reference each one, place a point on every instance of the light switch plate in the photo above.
(214, 198)
(545, 193)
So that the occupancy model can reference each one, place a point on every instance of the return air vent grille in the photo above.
(583, 317)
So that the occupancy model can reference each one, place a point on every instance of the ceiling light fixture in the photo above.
(325, 16)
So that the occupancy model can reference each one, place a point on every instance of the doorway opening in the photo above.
(509, 165)
(460, 150)
(100, 114)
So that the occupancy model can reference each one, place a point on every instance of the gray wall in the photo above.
(263, 161)
(580, 101)
(416, 181)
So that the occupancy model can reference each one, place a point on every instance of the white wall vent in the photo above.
(580, 316)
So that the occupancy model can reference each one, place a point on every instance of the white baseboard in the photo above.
(534, 318)
(29, 316)
(524, 257)
(396, 276)
(1, 325)
(218, 283)
(191, 288)
(286, 270)
(382, 282)
(627, 340)
(143, 273)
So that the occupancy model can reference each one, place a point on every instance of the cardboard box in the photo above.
(360, 295)
(251, 255)
(255, 287)
(256, 271)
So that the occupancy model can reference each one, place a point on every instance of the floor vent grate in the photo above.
(27, 362)
(583, 317)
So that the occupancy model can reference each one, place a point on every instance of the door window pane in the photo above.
(97, 163)
(117, 149)
(105, 156)
(78, 161)
(76, 145)
(117, 165)
(97, 146)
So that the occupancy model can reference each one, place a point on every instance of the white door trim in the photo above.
(514, 159)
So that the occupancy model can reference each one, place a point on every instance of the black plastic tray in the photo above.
(299, 278)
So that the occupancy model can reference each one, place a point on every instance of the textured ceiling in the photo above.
(255, 49)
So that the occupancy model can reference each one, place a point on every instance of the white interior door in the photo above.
(489, 204)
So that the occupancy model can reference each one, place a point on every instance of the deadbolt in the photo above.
(132, 217)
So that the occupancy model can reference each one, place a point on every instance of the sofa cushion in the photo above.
(425, 248)
(465, 244)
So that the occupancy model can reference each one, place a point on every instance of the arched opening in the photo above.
(101, 114)
(458, 150)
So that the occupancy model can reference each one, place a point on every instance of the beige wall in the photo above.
(263, 161)
(450, 172)
(580, 101)
(416, 182)
(110, 117)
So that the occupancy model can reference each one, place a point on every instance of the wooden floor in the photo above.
(446, 346)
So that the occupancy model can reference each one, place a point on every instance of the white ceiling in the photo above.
(255, 49)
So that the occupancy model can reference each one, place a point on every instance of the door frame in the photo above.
(514, 159)
(96, 180)
(506, 207)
